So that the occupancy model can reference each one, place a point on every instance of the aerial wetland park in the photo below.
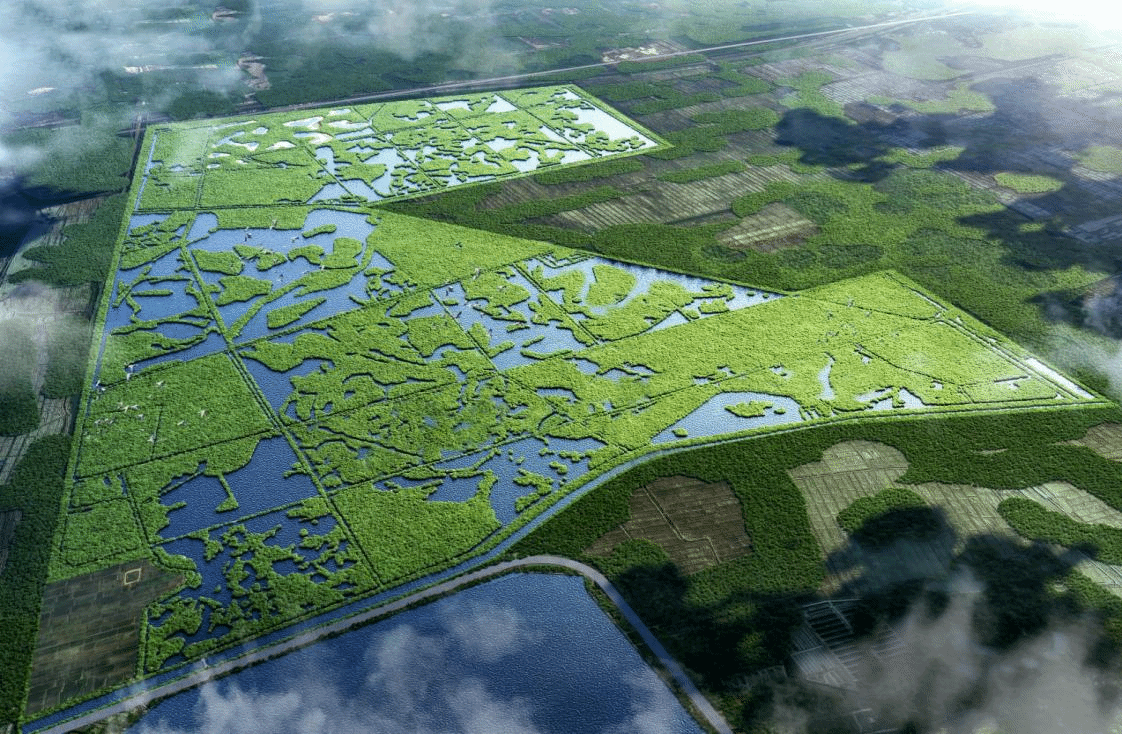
(296, 404)
(318, 397)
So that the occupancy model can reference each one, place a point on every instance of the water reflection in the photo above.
(523, 654)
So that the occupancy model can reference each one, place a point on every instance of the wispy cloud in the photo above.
(944, 679)
(406, 689)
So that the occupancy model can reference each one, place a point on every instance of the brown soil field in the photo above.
(1104, 440)
(698, 524)
(89, 631)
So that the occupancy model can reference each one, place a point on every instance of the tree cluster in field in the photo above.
(648, 97)
(690, 175)
(1035, 522)
(36, 490)
(891, 514)
(711, 131)
(86, 252)
(19, 407)
(589, 171)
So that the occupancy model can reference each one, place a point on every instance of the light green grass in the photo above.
(1028, 184)
(1103, 158)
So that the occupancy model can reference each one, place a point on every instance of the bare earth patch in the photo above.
(1105, 440)
(89, 631)
(698, 524)
(772, 228)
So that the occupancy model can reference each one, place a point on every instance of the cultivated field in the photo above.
(854, 470)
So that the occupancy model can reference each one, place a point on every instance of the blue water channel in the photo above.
(357, 606)
(507, 462)
(712, 418)
(258, 486)
(283, 275)
(521, 653)
(281, 532)
(645, 277)
(174, 314)
(262, 486)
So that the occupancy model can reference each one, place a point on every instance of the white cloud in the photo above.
(486, 632)
(654, 710)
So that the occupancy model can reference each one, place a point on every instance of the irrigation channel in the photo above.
(200, 676)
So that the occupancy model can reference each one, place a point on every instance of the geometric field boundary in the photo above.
(453, 404)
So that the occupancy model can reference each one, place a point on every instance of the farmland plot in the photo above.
(301, 406)
(851, 471)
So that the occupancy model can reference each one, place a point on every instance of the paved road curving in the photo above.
(201, 675)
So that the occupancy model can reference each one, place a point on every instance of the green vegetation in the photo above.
(993, 450)
(437, 367)
(1034, 522)
(236, 288)
(711, 131)
(960, 99)
(610, 285)
(250, 559)
(755, 590)
(789, 157)
(744, 85)
(590, 172)
(87, 159)
(36, 489)
(632, 67)
(752, 409)
(285, 315)
(1103, 158)
(689, 175)
(648, 97)
(927, 159)
(405, 533)
(295, 157)
(19, 408)
(67, 351)
(86, 253)
(878, 519)
(807, 94)
(918, 53)
(1028, 184)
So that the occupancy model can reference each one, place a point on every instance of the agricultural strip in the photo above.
(854, 472)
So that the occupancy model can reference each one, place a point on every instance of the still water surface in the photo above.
(523, 654)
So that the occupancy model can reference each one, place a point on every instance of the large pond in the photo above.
(525, 654)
